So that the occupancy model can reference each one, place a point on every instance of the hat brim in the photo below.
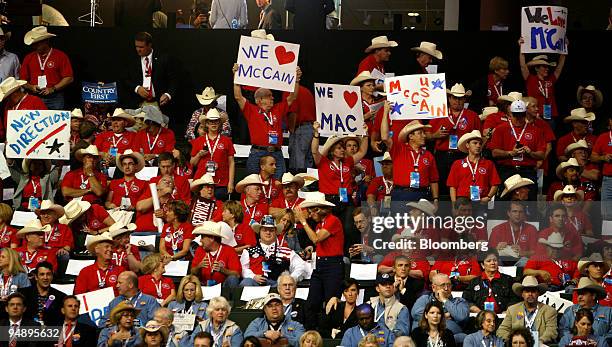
(114, 320)
(582, 265)
(81, 153)
(129, 119)
(589, 118)
(257, 227)
(162, 329)
(459, 95)
(561, 167)
(240, 186)
(28, 39)
(91, 247)
(517, 288)
(85, 205)
(541, 62)
(599, 290)
(389, 44)
(425, 210)
(550, 244)
(59, 210)
(597, 100)
(331, 141)
(205, 101)
(197, 184)
(19, 84)
(403, 134)
(461, 144)
(307, 204)
(138, 158)
(360, 79)
(574, 146)
(297, 180)
(559, 195)
(523, 183)
(436, 53)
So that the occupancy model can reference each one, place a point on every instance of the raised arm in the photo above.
(363, 146)
(314, 144)
(384, 126)
(241, 100)
(560, 65)
(524, 68)
(294, 94)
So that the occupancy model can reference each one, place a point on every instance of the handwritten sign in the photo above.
(38, 134)
(417, 96)
(99, 93)
(543, 29)
(96, 303)
(267, 64)
(339, 109)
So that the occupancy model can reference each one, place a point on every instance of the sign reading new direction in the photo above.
(339, 109)
(99, 93)
(417, 96)
(543, 29)
(267, 64)
(38, 134)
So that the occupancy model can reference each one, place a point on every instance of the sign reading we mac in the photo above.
(339, 109)
(38, 134)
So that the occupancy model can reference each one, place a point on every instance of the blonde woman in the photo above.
(13, 274)
(153, 283)
(225, 332)
(311, 338)
(189, 298)
(8, 234)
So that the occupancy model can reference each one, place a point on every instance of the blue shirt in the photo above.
(402, 323)
(9, 65)
(476, 339)
(235, 339)
(106, 333)
(602, 326)
(457, 307)
(353, 335)
(290, 329)
(143, 302)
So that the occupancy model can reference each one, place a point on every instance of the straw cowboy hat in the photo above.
(115, 314)
(37, 34)
(267, 222)
(33, 227)
(584, 263)
(331, 141)
(568, 190)
(207, 180)
(152, 327)
(25, 164)
(227, 235)
(247, 181)
(571, 162)
(487, 111)
(386, 157)
(49, 205)
(76, 113)
(212, 114)
(580, 115)
(288, 178)
(410, 128)
(458, 90)
(138, 158)
(406, 234)
(380, 42)
(362, 77)
(9, 85)
(121, 114)
(554, 240)
(511, 97)
(429, 48)
(424, 206)
(120, 228)
(576, 145)
(261, 34)
(91, 150)
(73, 210)
(466, 138)
(314, 199)
(308, 180)
(94, 240)
(529, 282)
(598, 96)
(208, 96)
(515, 182)
(541, 59)
(209, 228)
(586, 283)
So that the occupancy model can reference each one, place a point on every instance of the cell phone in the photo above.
(519, 145)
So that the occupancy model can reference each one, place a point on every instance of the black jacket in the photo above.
(298, 313)
(414, 287)
(52, 314)
(335, 320)
(420, 338)
(84, 335)
(165, 79)
(271, 20)
(25, 322)
(477, 292)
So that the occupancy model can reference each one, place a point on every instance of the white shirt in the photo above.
(297, 266)
(148, 81)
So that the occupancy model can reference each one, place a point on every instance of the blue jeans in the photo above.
(54, 101)
(253, 162)
(249, 282)
(325, 282)
(231, 282)
(606, 197)
(300, 156)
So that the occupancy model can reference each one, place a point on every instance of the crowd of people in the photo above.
(279, 226)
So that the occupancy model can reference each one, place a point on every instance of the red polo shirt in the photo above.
(586, 186)
(526, 237)
(269, 192)
(263, 124)
(56, 67)
(281, 202)
(494, 90)
(570, 138)
(253, 212)
(120, 257)
(106, 140)
(404, 159)
(368, 166)
(333, 246)
(8, 235)
(29, 102)
(603, 146)
(544, 91)
(465, 266)
(503, 138)
(369, 63)
(579, 221)
(332, 177)
(95, 217)
(244, 235)
(135, 188)
(30, 260)
(571, 236)
(461, 178)
(148, 285)
(463, 123)
(377, 187)
(60, 236)
(303, 106)
(556, 269)
(90, 276)
(227, 258)
(223, 149)
(146, 143)
(423, 265)
(494, 119)
(74, 178)
(31, 189)
(174, 238)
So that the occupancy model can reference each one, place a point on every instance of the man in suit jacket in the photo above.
(16, 307)
(75, 333)
(269, 18)
(41, 291)
(530, 312)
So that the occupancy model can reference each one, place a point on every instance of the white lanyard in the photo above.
(269, 193)
(543, 89)
(279, 327)
(293, 205)
(558, 263)
(216, 335)
(473, 171)
(499, 91)
(34, 186)
(49, 234)
(450, 119)
(19, 103)
(280, 242)
(363, 334)
(248, 209)
(288, 310)
(151, 146)
(66, 334)
(529, 322)
(174, 238)
(41, 63)
(610, 134)
(211, 149)
(577, 224)
(116, 139)
(190, 310)
(388, 186)
(119, 258)
(4, 231)
(216, 257)
(136, 300)
(28, 258)
(84, 181)
(512, 233)
(376, 315)
(339, 169)
(518, 138)
(415, 162)
(5, 287)
(269, 119)
(102, 280)
(127, 191)
(158, 287)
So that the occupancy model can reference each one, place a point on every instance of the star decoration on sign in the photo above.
(55, 147)
(437, 83)
(396, 108)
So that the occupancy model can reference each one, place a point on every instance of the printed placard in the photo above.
(38, 134)
(96, 303)
(339, 109)
(543, 29)
(99, 93)
(417, 96)
(267, 64)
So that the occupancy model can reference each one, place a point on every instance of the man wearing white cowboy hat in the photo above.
(85, 182)
(289, 198)
(589, 97)
(76, 119)
(572, 241)
(204, 206)
(425, 53)
(102, 273)
(9, 62)
(154, 138)
(473, 177)
(381, 186)
(549, 267)
(214, 262)
(530, 313)
(12, 90)
(89, 219)
(589, 293)
(209, 99)
(125, 254)
(263, 263)
(252, 187)
(125, 192)
(580, 151)
(501, 116)
(53, 63)
(231, 14)
(541, 84)
(577, 220)
(117, 140)
(32, 250)
(379, 52)
(579, 119)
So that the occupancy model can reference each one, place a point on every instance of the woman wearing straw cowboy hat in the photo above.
(589, 97)
(12, 90)
(125, 254)
(53, 63)
(33, 251)
(379, 52)
(117, 140)
(576, 218)
(209, 100)
(124, 192)
(85, 182)
(579, 119)
(596, 269)
(102, 273)
(36, 181)
(549, 267)
(153, 334)
(424, 56)
(121, 331)
(370, 101)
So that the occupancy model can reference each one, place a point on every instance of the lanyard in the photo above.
(48, 235)
(288, 310)
(34, 186)
(4, 231)
(499, 91)
(28, 258)
(610, 134)
(376, 315)
(158, 287)
(5, 287)
(450, 119)
(248, 209)
(102, 280)
(543, 89)
(279, 327)
(19, 103)
(190, 310)
(269, 193)
(125, 183)
(119, 258)
(216, 335)
(339, 168)
(269, 118)
(174, 238)
(280, 241)
(415, 162)
(518, 138)
(293, 205)
(84, 181)
(41, 63)
(512, 233)
(577, 223)
(388, 186)
(558, 263)
(151, 146)
(211, 149)
(473, 171)
(529, 322)
(363, 334)
(67, 333)
(216, 257)
(116, 139)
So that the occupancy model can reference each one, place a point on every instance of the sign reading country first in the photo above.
(417, 96)
(38, 134)
(267, 64)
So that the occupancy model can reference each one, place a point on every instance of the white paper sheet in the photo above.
(147, 173)
(313, 172)
(211, 292)
(508, 270)
(183, 322)
(249, 293)
(431, 68)
(21, 218)
(67, 289)
(606, 227)
(302, 293)
(4, 170)
(363, 272)
(111, 171)
(75, 266)
(142, 241)
(457, 294)
(177, 268)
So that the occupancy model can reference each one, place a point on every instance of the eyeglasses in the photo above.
(445, 285)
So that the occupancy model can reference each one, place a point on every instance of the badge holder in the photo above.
(33, 203)
(474, 193)
(343, 194)
(211, 166)
(125, 202)
(489, 306)
(42, 81)
(518, 157)
(415, 180)
(272, 138)
(113, 151)
(453, 141)
(387, 202)
(547, 112)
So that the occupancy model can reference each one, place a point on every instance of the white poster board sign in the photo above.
(543, 29)
(38, 134)
(339, 109)
(417, 96)
(96, 303)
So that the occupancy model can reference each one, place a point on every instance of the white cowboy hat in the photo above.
(249, 180)
(386, 157)
(581, 115)
(362, 77)
(411, 127)
(554, 240)
(458, 90)
(212, 114)
(120, 228)
(568, 190)
(288, 178)
(529, 282)
(405, 234)
(511, 97)
(209, 228)
(429, 48)
(465, 139)
(313, 199)
(73, 210)
(76, 113)
(9, 85)
(597, 99)
(37, 34)
(261, 34)
(588, 284)
(227, 235)
(120, 113)
(49, 205)
(154, 114)
(515, 182)
(571, 162)
(424, 206)
(33, 226)
(94, 240)
(308, 179)
(576, 145)
(91, 150)
(208, 96)
(152, 327)
(267, 221)
(541, 59)
(137, 113)
(138, 158)
(25, 164)
(594, 258)
(380, 42)
(332, 140)
(487, 111)
(206, 179)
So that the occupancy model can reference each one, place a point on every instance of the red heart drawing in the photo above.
(350, 98)
(283, 56)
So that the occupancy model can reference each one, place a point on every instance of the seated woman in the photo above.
(233, 215)
(343, 316)
(153, 283)
(12, 275)
(582, 332)
(153, 334)
(485, 321)
(520, 337)
(188, 298)
(176, 234)
(222, 329)
(144, 206)
(36, 181)
(432, 328)
(8, 234)
(121, 331)
(287, 234)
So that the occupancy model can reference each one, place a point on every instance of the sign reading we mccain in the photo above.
(38, 134)
(99, 93)
(417, 96)
(339, 109)
(267, 64)
(543, 29)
